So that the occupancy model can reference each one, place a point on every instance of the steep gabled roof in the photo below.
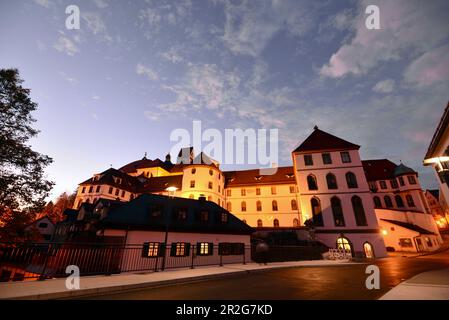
(320, 140)
(283, 175)
(115, 178)
(159, 184)
(145, 163)
(378, 169)
(409, 226)
(402, 169)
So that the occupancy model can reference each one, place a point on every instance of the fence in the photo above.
(32, 261)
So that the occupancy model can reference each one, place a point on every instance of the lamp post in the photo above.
(171, 193)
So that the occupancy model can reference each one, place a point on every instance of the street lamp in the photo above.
(171, 193)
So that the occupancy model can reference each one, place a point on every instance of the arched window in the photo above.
(259, 223)
(399, 202)
(388, 202)
(337, 212)
(209, 198)
(331, 181)
(276, 223)
(243, 206)
(294, 204)
(295, 222)
(87, 200)
(410, 201)
(377, 203)
(193, 170)
(311, 182)
(351, 180)
(369, 251)
(317, 215)
(192, 196)
(228, 206)
(259, 206)
(244, 221)
(359, 211)
(343, 243)
(274, 205)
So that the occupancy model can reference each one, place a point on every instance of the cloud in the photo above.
(94, 22)
(43, 3)
(101, 4)
(250, 25)
(172, 55)
(384, 86)
(147, 71)
(431, 67)
(66, 46)
(407, 27)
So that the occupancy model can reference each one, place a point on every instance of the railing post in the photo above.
(244, 255)
(42, 276)
(193, 253)
(221, 260)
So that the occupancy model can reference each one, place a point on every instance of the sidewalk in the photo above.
(431, 285)
(55, 288)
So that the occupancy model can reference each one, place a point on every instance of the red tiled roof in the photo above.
(158, 184)
(283, 175)
(379, 169)
(320, 140)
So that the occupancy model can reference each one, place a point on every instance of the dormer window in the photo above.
(258, 178)
(289, 175)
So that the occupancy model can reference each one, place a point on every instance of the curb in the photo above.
(75, 294)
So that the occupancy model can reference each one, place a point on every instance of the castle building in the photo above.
(328, 188)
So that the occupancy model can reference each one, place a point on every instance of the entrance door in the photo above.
(369, 252)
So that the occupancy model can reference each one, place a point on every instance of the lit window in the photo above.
(204, 249)
(180, 249)
(343, 243)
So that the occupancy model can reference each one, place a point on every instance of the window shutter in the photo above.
(161, 252)
(145, 248)
(173, 249)
(211, 248)
(198, 248)
(187, 250)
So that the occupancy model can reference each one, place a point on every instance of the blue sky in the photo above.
(136, 70)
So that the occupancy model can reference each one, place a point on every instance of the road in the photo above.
(336, 282)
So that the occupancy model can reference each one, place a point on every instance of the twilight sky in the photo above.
(136, 70)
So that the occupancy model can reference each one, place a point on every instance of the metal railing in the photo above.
(37, 261)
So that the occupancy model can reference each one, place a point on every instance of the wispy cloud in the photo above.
(384, 86)
(65, 45)
(141, 69)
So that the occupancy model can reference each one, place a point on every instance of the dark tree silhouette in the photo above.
(23, 186)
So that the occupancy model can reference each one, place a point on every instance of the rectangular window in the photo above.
(155, 211)
(123, 193)
(117, 191)
(429, 242)
(83, 190)
(204, 248)
(180, 214)
(308, 160)
(192, 184)
(180, 249)
(230, 248)
(110, 190)
(204, 216)
(405, 242)
(98, 188)
(219, 188)
(345, 157)
(326, 158)
(258, 191)
(210, 185)
(273, 190)
(243, 192)
(224, 217)
(383, 184)
(91, 189)
(394, 184)
(152, 249)
(292, 189)
(411, 179)
(228, 192)
(401, 181)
